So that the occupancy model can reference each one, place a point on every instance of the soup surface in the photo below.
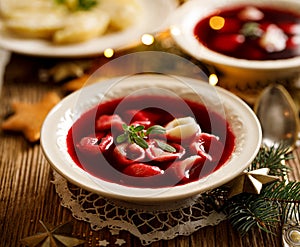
(251, 32)
(150, 141)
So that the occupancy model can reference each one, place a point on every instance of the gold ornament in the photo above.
(53, 237)
(250, 182)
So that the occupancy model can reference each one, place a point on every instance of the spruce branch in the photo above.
(246, 211)
(275, 205)
(287, 198)
(273, 158)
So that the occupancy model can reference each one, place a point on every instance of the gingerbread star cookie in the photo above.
(28, 118)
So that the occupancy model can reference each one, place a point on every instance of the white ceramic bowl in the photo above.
(238, 71)
(241, 118)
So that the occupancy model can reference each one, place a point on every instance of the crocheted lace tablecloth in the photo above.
(148, 223)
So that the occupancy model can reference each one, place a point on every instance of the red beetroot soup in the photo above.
(106, 141)
(251, 32)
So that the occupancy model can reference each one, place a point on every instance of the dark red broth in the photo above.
(246, 37)
(151, 110)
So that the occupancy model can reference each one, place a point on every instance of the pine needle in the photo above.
(274, 206)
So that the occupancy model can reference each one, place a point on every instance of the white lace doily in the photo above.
(149, 224)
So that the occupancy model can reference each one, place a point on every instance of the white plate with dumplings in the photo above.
(115, 24)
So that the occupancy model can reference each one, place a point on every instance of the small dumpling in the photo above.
(182, 128)
(32, 23)
(11, 8)
(123, 13)
(82, 26)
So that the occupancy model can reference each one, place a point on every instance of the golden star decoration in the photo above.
(28, 118)
(250, 182)
(53, 237)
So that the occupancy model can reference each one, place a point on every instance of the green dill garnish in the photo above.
(138, 134)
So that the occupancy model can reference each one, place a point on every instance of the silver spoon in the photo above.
(278, 116)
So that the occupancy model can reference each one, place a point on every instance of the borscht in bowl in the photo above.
(253, 40)
(134, 142)
(150, 138)
(251, 32)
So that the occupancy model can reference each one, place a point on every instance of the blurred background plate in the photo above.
(153, 19)
(234, 71)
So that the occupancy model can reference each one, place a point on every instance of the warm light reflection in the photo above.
(147, 39)
(174, 30)
(108, 52)
(216, 22)
(286, 113)
(213, 79)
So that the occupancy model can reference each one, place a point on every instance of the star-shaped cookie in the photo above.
(28, 118)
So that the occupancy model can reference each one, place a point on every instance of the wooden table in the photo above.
(27, 194)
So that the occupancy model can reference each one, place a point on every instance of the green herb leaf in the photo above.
(86, 4)
(125, 127)
(165, 146)
(140, 141)
(132, 137)
(252, 30)
(79, 4)
(156, 129)
(136, 134)
(122, 138)
(139, 128)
